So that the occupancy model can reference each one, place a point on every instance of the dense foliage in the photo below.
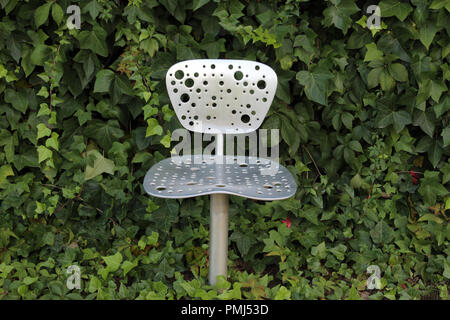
(364, 120)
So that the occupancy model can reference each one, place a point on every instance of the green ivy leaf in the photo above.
(43, 131)
(446, 136)
(430, 187)
(396, 8)
(18, 99)
(153, 128)
(57, 13)
(398, 72)
(5, 171)
(104, 133)
(41, 14)
(101, 165)
(113, 262)
(44, 153)
(387, 83)
(400, 119)
(127, 266)
(94, 40)
(372, 52)
(382, 233)
(103, 80)
(439, 4)
(427, 33)
(282, 294)
(316, 84)
(338, 14)
(198, 4)
(425, 123)
(243, 242)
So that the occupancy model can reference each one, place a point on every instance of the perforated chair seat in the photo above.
(241, 176)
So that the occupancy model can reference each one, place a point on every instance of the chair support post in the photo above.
(218, 235)
(218, 231)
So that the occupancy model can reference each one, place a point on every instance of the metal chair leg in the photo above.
(218, 234)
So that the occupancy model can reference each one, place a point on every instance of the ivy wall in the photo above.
(364, 124)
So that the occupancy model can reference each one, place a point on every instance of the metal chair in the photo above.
(220, 97)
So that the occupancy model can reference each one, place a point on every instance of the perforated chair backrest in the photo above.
(221, 96)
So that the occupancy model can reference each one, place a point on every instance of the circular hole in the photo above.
(245, 118)
(193, 104)
(245, 83)
(189, 82)
(221, 83)
(205, 83)
(213, 66)
(256, 67)
(191, 183)
(238, 75)
(264, 99)
(184, 97)
(175, 90)
(252, 91)
(191, 123)
(179, 74)
(261, 84)
(208, 117)
(195, 117)
(172, 82)
(198, 90)
(233, 112)
(214, 97)
(248, 106)
(230, 66)
(160, 188)
(196, 74)
(243, 165)
(228, 90)
(220, 185)
(214, 104)
(267, 186)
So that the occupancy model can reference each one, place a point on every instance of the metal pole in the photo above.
(218, 231)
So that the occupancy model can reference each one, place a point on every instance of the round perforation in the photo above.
(179, 74)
